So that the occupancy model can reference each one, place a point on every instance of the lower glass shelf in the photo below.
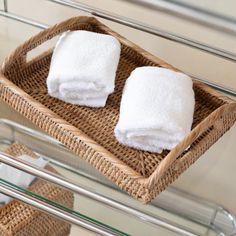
(173, 212)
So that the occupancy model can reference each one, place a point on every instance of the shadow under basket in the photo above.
(89, 132)
(17, 218)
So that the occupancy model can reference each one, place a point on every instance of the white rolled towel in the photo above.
(18, 177)
(83, 68)
(156, 110)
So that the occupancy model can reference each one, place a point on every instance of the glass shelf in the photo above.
(191, 216)
(75, 214)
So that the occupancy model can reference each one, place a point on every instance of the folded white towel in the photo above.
(156, 109)
(83, 68)
(18, 177)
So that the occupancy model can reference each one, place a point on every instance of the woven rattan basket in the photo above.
(89, 132)
(19, 219)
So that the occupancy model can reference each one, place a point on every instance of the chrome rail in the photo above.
(84, 191)
(23, 19)
(147, 28)
(56, 211)
(194, 14)
(131, 23)
(11, 132)
(5, 5)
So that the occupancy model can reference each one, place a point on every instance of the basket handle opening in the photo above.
(42, 50)
(18, 58)
(212, 120)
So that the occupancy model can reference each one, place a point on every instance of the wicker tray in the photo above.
(89, 132)
(19, 219)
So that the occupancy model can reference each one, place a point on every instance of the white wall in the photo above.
(185, 58)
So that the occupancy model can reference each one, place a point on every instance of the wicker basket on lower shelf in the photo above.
(89, 132)
(19, 219)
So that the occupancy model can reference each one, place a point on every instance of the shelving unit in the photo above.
(201, 213)
(201, 217)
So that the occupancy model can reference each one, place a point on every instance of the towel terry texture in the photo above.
(18, 177)
(83, 68)
(156, 110)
